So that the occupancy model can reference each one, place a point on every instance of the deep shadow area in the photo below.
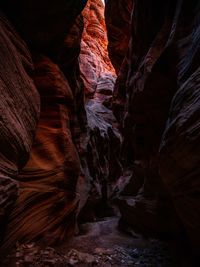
(99, 133)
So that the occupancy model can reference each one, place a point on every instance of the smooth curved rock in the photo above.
(19, 111)
(141, 107)
(47, 184)
(163, 59)
(47, 204)
(179, 150)
(94, 59)
(179, 164)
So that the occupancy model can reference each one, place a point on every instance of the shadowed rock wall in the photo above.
(61, 151)
(118, 23)
(47, 201)
(74, 161)
(156, 101)
(19, 112)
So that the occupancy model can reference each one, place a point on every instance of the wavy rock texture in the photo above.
(179, 151)
(19, 110)
(137, 108)
(77, 157)
(94, 60)
(47, 203)
(103, 166)
(67, 162)
(180, 156)
(102, 156)
(162, 60)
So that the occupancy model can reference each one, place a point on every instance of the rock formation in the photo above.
(94, 60)
(118, 23)
(102, 156)
(74, 162)
(47, 203)
(75, 137)
(161, 65)
(179, 149)
(19, 111)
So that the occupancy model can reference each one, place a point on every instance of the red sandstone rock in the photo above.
(94, 60)
(19, 110)
(118, 22)
(101, 160)
(163, 58)
(69, 64)
(47, 203)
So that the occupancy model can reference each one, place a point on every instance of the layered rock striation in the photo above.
(74, 160)
(73, 137)
(101, 161)
(94, 59)
(156, 101)
(19, 112)
(46, 169)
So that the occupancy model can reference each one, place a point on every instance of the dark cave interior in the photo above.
(99, 126)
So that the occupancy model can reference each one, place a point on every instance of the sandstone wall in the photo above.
(156, 101)
(46, 169)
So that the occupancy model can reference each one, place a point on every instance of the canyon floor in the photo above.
(98, 243)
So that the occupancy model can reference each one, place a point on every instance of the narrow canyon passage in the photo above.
(99, 133)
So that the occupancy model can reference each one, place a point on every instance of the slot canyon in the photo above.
(99, 133)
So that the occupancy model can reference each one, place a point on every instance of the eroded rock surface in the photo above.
(161, 65)
(94, 60)
(118, 23)
(78, 160)
(19, 111)
(74, 161)
(47, 202)
(179, 150)
(102, 157)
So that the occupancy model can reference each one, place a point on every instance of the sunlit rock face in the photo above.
(101, 161)
(156, 93)
(94, 59)
(19, 111)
